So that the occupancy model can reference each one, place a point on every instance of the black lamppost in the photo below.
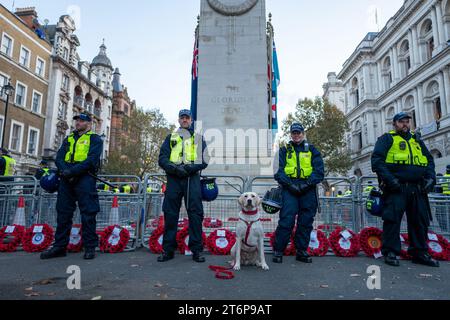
(7, 90)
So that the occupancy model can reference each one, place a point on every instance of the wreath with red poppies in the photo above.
(370, 240)
(182, 223)
(319, 245)
(114, 239)
(290, 249)
(343, 247)
(156, 240)
(10, 238)
(438, 249)
(220, 242)
(183, 240)
(404, 240)
(75, 243)
(37, 238)
(212, 223)
(329, 228)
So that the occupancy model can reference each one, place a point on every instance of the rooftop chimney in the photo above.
(28, 15)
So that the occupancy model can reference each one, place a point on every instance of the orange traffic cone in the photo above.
(19, 218)
(114, 216)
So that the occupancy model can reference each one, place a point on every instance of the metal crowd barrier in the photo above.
(341, 201)
(11, 190)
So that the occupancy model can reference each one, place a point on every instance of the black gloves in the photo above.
(190, 169)
(395, 186)
(299, 190)
(428, 185)
(181, 172)
(68, 176)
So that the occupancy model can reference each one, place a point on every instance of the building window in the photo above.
(7, 45)
(66, 54)
(40, 67)
(37, 102)
(33, 142)
(65, 83)
(62, 110)
(437, 109)
(15, 143)
(3, 82)
(24, 59)
(21, 94)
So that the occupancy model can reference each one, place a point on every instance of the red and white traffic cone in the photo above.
(114, 216)
(19, 218)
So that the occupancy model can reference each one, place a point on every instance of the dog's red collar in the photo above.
(250, 213)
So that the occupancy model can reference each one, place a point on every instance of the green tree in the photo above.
(325, 127)
(139, 150)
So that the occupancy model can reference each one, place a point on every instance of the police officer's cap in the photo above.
(401, 116)
(185, 112)
(44, 162)
(297, 127)
(83, 117)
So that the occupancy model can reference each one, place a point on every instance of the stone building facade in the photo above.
(25, 60)
(77, 86)
(405, 67)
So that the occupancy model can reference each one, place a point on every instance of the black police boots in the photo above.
(53, 253)
(277, 257)
(304, 257)
(426, 260)
(89, 254)
(198, 257)
(391, 259)
(166, 256)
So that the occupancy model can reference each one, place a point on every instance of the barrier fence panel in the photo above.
(225, 208)
(12, 190)
(129, 207)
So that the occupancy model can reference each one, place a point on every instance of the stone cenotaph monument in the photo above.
(233, 107)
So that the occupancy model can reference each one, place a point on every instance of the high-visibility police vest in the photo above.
(116, 190)
(298, 168)
(368, 189)
(127, 189)
(446, 185)
(10, 164)
(105, 187)
(348, 193)
(79, 151)
(182, 151)
(149, 190)
(46, 171)
(406, 152)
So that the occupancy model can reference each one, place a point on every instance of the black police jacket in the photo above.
(91, 164)
(388, 172)
(318, 173)
(165, 163)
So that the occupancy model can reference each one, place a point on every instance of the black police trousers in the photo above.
(303, 209)
(85, 194)
(415, 203)
(177, 189)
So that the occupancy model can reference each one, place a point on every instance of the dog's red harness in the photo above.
(224, 273)
(247, 233)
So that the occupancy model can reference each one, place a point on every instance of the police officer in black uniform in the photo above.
(301, 169)
(183, 156)
(78, 158)
(406, 174)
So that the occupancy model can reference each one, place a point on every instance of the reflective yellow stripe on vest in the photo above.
(296, 168)
(46, 171)
(182, 152)
(79, 151)
(10, 164)
(406, 152)
(446, 185)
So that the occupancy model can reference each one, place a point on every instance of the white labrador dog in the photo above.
(249, 247)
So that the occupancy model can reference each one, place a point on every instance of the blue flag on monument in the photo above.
(275, 84)
(194, 87)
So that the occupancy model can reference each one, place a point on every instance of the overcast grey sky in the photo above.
(151, 41)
